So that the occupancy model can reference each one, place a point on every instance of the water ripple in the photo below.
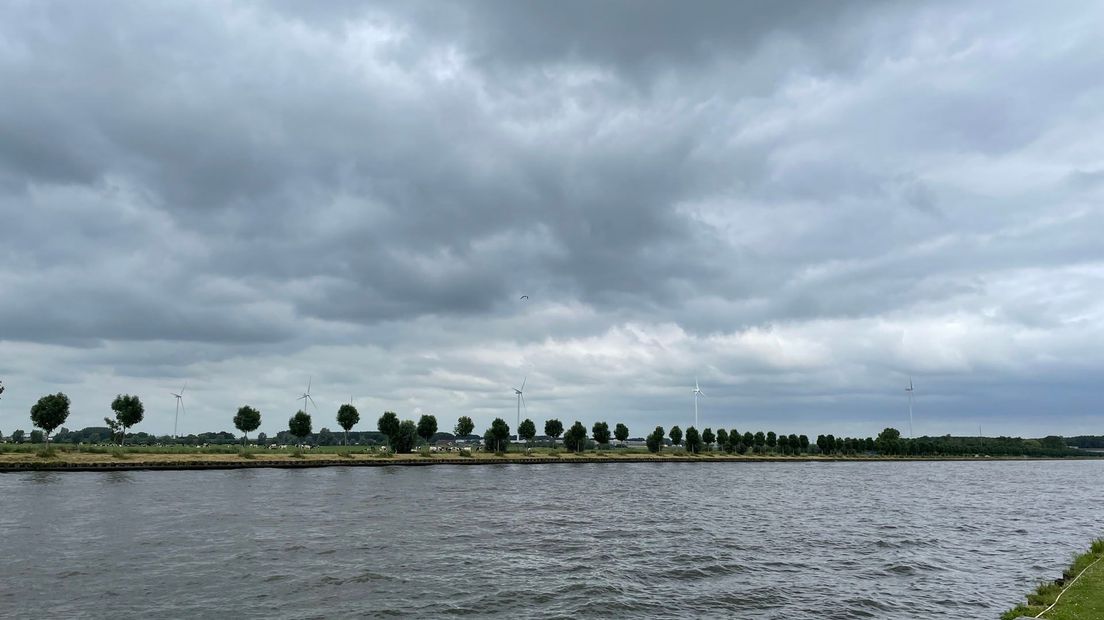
(762, 541)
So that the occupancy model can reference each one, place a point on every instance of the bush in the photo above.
(46, 454)
(119, 454)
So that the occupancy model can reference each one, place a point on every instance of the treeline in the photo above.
(52, 410)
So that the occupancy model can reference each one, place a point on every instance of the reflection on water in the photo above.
(764, 540)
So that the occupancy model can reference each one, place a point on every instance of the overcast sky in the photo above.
(800, 204)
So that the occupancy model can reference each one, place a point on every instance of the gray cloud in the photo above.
(802, 203)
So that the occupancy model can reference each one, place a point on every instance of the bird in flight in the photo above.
(525, 297)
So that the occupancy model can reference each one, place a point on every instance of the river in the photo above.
(907, 540)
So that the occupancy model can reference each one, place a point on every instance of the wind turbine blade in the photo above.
(309, 379)
(182, 409)
(312, 403)
(524, 406)
(523, 380)
(185, 386)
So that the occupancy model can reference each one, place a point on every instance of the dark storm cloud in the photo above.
(760, 183)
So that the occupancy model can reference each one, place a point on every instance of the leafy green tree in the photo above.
(527, 430)
(427, 427)
(889, 441)
(654, 440)
(553, 428)
(300, 425)
(575, 437)
(247, 420)
(347, 418)
(601, 433)
(693, 440)
(326, 437)
(262, 439)
(830, 441)
(708, 437)
(722, 440)
(783, 444)
(803, 441)
(50, 412)
(406, 437)
(17, 435)
(621, 432)
(128, 411)
(748, 439)
(772, 440)
(500, 434)
(676, 435)
(36, 436)
(388, 424)
(464, 426)
(793, 443)
(760, 441)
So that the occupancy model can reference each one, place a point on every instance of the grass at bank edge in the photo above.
(1084, 600)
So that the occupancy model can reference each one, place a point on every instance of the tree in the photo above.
(772, 439)
(748, 440)
(654, 440)
(464, 426)
(793, 443)
(262, 439)
(708, 437)
(803, 441)
(621, 432)
(128, 411)
(553, 428)
(500, 434)
(676, 435)
(300, 425)
(36, 436)
(722, 440)
(783, 443)
(889, 441)
(347, 418)
(406, 437)
(693, 440)
(247, 420)
(601, 433)
(427, 427)
(388, 424)
(326, 437)
(760, 440)
(575, 437)
(527, 430)
(50, 412)
(17, 435)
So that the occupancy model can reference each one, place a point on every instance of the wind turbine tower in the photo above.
(697, 392)
(520, 393)
(307, 397)
(179, 406)
(909, 390)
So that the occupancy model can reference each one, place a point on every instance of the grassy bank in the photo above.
(63, 454)
(1078, 595)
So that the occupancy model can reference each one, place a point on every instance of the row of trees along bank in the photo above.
(52, 410)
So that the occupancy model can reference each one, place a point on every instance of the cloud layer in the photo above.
(799, 204)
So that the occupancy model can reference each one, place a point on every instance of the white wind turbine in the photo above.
(307, 397)
(697, 392)
(520, 393)
(179, 406)
(909, 390)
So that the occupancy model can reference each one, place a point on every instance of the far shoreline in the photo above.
(199, 462)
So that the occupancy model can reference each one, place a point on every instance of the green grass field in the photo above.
(1083, 600)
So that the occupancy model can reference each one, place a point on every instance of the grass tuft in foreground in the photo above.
(1081, 600)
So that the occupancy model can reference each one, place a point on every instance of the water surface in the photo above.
(748, 540)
